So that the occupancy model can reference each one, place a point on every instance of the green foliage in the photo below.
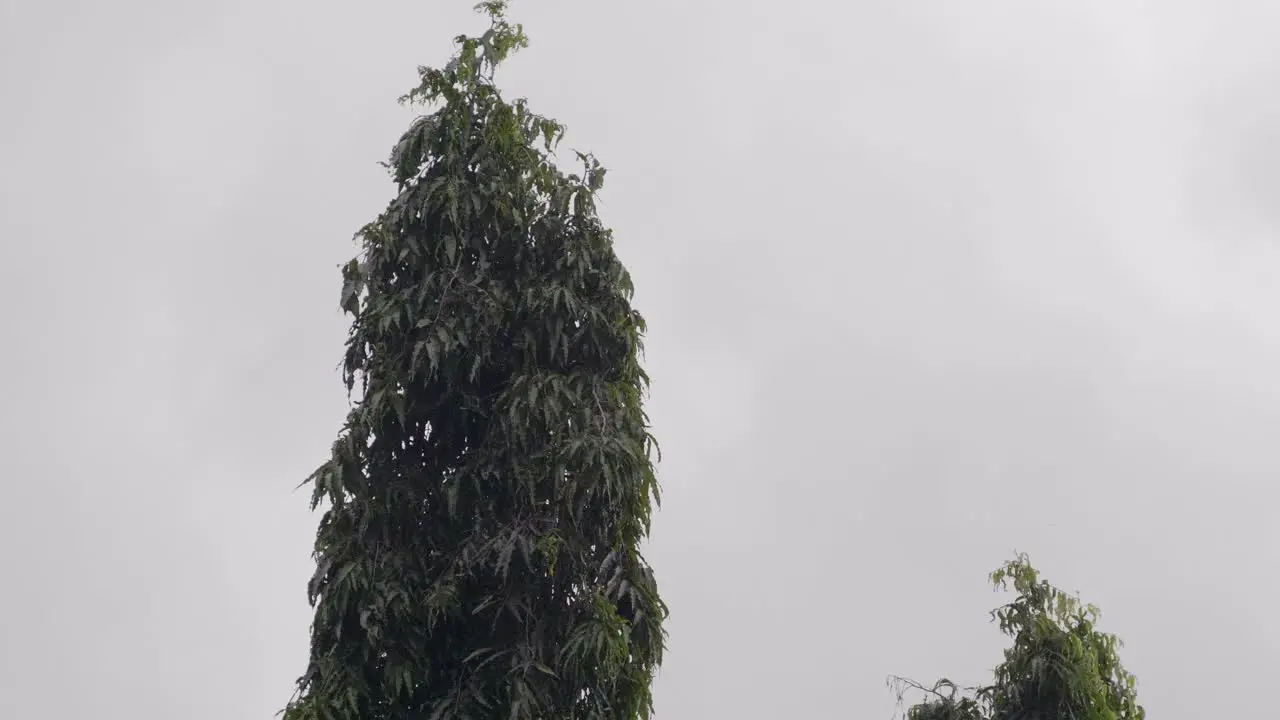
(1058, 667)
(485, 502)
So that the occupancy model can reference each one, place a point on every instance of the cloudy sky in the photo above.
(929, 282)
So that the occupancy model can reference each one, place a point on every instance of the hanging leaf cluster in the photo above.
(478, 556)
(1059, 665)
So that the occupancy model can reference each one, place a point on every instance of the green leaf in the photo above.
(493, 353)
(1058, 666)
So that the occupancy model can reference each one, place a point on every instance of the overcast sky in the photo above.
(928, 282)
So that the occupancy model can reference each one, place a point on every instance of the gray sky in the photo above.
(928, 282)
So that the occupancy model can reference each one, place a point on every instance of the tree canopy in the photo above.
(1059, 666)
(479, 553)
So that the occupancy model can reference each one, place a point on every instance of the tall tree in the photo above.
(1059, 667)
(485, 502)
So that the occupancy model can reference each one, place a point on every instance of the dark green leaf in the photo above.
(495, 354)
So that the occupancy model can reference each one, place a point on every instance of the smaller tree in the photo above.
(1059, 666)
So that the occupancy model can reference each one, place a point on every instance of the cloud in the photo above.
(927, 283)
